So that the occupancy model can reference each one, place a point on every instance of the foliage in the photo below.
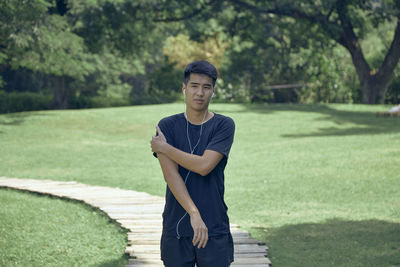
(181, 50)
(23, 101)
(317, 26)
(91, 43)
(165, 83)
(327, 76)
(29, 101)
(41, 42)
(117, 49)
(393, 93)
(97, 102)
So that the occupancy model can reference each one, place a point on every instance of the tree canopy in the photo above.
(346, 22)
(330, 51)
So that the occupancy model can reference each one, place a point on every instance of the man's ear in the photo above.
(183, 88)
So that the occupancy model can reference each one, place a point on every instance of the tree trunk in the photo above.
(374, 83)
(60, 93)
(374, 91)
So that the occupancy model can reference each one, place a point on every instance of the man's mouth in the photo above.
(199, 100)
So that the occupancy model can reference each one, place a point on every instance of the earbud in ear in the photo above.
(212, 95)
(184, 92)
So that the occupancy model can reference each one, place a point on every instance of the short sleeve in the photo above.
(222, 138)
(166, 127)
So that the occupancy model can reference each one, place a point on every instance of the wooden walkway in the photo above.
(140, 213)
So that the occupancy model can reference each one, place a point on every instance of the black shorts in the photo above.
(181, 252)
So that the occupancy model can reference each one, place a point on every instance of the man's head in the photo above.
(198, 85)
(201, 67)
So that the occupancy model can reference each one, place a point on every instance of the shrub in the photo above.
(23, 101)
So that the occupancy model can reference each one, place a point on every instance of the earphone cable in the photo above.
(191, 152)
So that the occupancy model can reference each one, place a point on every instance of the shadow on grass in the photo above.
(366, 121)
(14, 119)
(334, 243)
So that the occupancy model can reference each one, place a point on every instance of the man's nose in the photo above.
(200, 92)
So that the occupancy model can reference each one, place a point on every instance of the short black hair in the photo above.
(201, 67)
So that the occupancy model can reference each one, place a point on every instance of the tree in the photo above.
(31, 38)
(344, 21)
(77, 40)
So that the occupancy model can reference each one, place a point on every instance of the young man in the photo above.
(193, 149)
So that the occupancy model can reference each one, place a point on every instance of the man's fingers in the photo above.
(204, 239)
(195, 237)
(200, 238)
(160, 133)
(200, 231)
(158, 130)
(153, 143)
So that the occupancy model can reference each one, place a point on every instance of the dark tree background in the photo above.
(132, 52)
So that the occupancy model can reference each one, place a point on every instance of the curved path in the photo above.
(140, 213)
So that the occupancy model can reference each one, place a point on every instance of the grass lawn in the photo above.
(39, 230)
(318, 183)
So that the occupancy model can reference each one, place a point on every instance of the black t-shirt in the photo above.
(207, 192)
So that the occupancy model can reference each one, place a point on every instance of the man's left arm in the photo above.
(202, 165)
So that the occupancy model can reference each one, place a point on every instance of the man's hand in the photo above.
(158, 142)
(200, 230)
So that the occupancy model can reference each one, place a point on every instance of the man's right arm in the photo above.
(179, 190)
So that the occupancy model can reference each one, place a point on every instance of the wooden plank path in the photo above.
(140, 213)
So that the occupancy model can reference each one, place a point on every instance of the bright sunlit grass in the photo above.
(318, 183)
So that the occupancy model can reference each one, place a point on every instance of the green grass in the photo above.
(38, 230)
(318, 183)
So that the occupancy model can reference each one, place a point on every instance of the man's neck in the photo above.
(198, 117)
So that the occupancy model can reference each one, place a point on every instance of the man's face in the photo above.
(199, 90)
